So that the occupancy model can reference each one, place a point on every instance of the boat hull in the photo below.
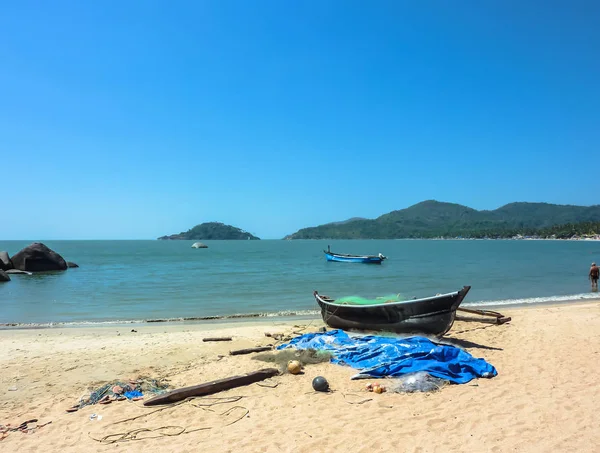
(353, 259)
(433, 315)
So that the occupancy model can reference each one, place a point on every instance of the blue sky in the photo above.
(133, 119)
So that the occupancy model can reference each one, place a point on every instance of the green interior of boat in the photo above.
(357, 300)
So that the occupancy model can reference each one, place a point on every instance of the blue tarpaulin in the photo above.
(377, 356)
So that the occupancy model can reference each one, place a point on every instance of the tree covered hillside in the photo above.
(431, 219)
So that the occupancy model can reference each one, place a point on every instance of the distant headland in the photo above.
(212, 231)
(433, 219)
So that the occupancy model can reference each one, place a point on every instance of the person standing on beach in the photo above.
(594, 274)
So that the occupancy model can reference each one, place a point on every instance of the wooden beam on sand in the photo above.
(212, 387)
(493, 316)
(250, 350)
(217, 339)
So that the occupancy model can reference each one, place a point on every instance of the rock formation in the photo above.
(38, 258)
(5, 262)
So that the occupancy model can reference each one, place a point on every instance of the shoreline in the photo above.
(218, 322)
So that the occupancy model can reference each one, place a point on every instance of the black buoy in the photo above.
(320, 384)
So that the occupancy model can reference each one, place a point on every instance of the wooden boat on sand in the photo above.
(431, 315)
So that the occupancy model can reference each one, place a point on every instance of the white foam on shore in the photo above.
(534, 300)
(238, 316)
(283, 314)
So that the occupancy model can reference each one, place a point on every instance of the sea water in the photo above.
(150, 280)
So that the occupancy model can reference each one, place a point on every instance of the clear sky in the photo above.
(133, 119)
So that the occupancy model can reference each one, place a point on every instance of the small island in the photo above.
(212, 231)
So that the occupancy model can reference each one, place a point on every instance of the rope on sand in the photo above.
(169, 430)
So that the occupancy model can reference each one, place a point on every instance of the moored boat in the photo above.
(342, 258)
(431, 315)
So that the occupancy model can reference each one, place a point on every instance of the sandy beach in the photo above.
(544, 398)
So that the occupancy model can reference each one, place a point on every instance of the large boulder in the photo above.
(4, 276)
(5, 262)
(38, 258)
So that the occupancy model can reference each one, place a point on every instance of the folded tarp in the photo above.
(377, 356)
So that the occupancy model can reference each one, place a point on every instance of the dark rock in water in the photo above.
(4, 276)
(38, 258)
(5, 262)
(17, 271)
(71, 264)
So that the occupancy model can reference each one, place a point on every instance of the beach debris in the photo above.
(217, 339)
(487, 316)
(276, 335)
(378, 389)
(28, 426)
(283, 357)
(212, 387)
(279, 336)
(210, 419)
(320, 384)
(133, 330)
(14, 388)
(250, 350)
(375, 388)
(132, 390)
(417, 382)
(294, 367)
(95, 417)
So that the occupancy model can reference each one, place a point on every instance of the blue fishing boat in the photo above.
(368, 259)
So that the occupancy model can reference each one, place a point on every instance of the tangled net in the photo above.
(304, 356)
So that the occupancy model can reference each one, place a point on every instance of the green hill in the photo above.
(431, 218)
(212, 230)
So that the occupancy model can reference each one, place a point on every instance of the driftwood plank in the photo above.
(493, 314)
(212, 387)
(217, 339)
(496, 318)
(250, 350)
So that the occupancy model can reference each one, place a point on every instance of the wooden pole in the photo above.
(250, 350)
(212, 387)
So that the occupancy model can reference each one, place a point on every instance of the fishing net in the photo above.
(357, 300)
(127, 389)
(305, 357)
(420, 381)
